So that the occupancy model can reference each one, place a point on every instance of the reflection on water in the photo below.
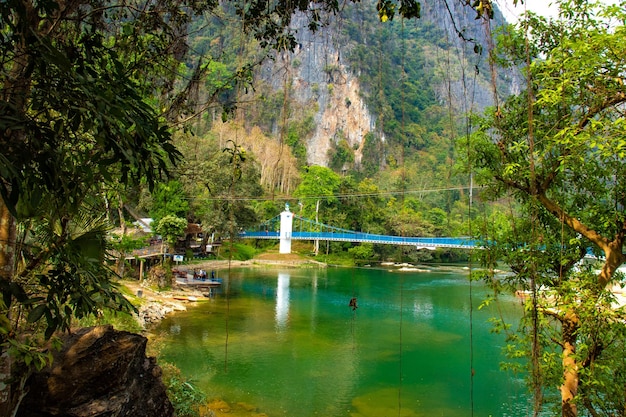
(296, 349)
(282, 301)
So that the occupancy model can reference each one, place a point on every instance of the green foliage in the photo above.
(295, 134)
(319, 184)
(184, 396)
(547, 150)
(340, 155)
(126, 243)
(372, 155)
(54, 287)
(168, 199)
(171, 228)
(119, 320)
(363, 251)
(218, 178)
(92, 123)
(238, 251)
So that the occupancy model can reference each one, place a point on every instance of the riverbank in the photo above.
(289, 330)
(153, 304)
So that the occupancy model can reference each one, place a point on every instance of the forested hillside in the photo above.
(219, 113)
(380, 105)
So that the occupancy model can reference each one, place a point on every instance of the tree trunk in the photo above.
(121, 261)
(8, 234)
(569, 387)
(614, 258)
(120, 212)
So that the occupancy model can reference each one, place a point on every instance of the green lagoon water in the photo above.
(286, 342)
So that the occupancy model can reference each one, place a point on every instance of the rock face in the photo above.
(99, 372)
(321, 80)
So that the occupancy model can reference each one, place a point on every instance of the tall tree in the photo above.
(319, 185)
(72, 117)
(559, 149)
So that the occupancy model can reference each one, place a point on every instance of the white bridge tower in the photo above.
(286, 227)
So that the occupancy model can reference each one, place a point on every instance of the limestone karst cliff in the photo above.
(348, 97)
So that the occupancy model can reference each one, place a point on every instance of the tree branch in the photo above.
(575, 224)
(614, 100)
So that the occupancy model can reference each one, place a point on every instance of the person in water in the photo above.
(353, 303)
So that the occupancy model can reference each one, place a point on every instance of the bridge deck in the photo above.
(424, 242)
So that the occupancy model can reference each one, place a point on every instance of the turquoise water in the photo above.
(285, 342)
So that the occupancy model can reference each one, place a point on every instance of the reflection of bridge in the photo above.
(288, 226)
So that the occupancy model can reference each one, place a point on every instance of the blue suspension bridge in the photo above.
(288, 226)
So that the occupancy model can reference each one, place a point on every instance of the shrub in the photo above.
(185, 398)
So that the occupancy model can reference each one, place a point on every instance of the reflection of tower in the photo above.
(286, 226)
(314, 301)
(282, 301)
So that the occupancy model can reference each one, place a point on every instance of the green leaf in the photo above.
(36, 313)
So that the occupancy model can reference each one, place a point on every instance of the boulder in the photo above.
(98, 372)
(154, 311)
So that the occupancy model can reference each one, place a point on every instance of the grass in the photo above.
(119, 320)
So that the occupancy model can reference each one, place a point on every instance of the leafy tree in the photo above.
(168, 199)
(404, 221)
(318, 185)
(295, 132)
(171, 228)
(222, 178)
(73, 118)
(372, 155)
(340, 154)
(123, 245)
(558, 150)
(362, 251)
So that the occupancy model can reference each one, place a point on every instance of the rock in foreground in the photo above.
(99, 372)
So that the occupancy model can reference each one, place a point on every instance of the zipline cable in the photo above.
(336, 196)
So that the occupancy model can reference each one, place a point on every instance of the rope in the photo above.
(400, 376)
(535, 353)
(353, 304)
(402, 103)
(461, 51)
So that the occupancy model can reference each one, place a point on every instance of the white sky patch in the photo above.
(512, 12)
(547, 8)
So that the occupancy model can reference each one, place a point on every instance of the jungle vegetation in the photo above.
(555, 153)
(109, 108)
